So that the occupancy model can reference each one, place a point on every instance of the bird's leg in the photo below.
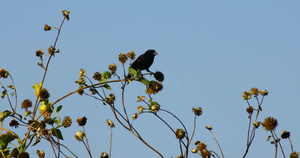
(151, 73)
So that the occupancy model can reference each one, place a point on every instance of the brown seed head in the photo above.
(285, 134)
(254, 91)
(3, 73)
(67, 122)
(44, 94)
(180, 133)
(123, 58)
(81, 121)
(131, 55)
(26, 104)
(197, 111)
(47, 27)
(97, 76)
(246, 95)
(270, 124)
(159, 76)
(112, 67)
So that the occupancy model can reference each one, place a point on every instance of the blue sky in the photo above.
(209, 51)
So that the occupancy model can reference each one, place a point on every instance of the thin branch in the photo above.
(217, 142)
(110, 143)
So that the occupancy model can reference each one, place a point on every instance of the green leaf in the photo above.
(28, 112)
(144, 81)
(4, 114)
(57, 133)
(106, 75)
(103, 80)
(132, 72)
(107, 86)
(58, 122)
(5, 139)
(59, 108)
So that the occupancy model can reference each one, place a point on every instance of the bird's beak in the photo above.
(155, 53)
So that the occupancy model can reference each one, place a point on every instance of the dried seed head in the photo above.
(81, 121)
(66, 14)
(39, 53)
(256, 124)
(197, 111)
(80, 91)
(14, 123)
(140, 98)
(208, 127)
(154, 87)
(44, 94)
(104, 155)
(3, 73)
(131, 55)
(67, 122)
(112, 67)
(82, 73)
(26, 104)
(285, 134)
(294, 155)
(194, 150)
(250, 110)
(97, 76)
(47, 27)
(123, 58)
(141, 109)
(180, 133)
(135, 116)
(24, 155)
(254, 91)
(246, 95)
(263, 92)
(51, 50)
(270, 124)
(40, 153)
(79, 135)
(110, 123)
(159, 76)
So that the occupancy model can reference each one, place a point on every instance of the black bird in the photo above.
(144, 61)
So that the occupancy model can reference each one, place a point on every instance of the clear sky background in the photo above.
(209, 51)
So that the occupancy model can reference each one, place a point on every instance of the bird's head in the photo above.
(151, 52)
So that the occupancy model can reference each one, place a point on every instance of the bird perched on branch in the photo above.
(144, 61)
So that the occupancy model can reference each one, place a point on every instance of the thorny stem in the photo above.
(251, 137)
(279, 144)
(180, 147)
(187, 136)
(53, 149)
(123, 103)
(276, 146)
(169, 127)
(291, 144)
(87, 142)
(64, 147)
(217, 142)
(110, 143)
(189, 143)
(130, 128)
(7, 97)
(46, 69)
(87, 149)
(15, 91)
